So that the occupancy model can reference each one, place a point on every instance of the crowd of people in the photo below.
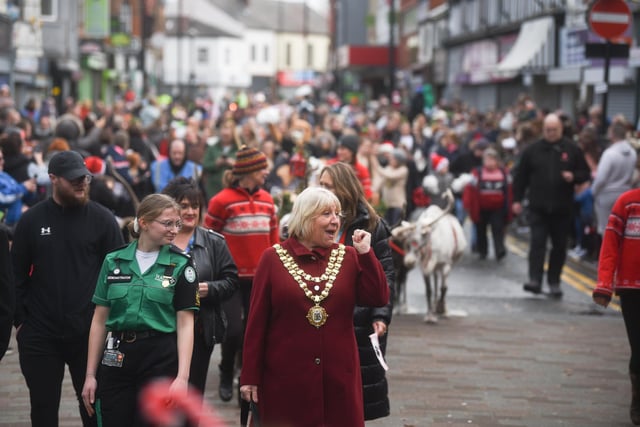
(199, 194)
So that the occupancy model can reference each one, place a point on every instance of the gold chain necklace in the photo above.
(317, 315)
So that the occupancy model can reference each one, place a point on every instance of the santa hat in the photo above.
(438, 163)
(386, 147)
(95, 165)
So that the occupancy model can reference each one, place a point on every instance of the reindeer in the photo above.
(435, 241)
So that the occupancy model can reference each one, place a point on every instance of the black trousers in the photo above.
(42, 361)
(118, 388)
(237, 310)
(495, 220)
(544, 226)
(199, 361)
(630, 304)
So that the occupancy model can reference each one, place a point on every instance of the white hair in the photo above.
(307, 205)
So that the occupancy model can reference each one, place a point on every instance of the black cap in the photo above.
(68, 164)
(350, 142)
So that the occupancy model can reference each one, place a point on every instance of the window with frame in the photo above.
(49, 10)
(203, 55)
(288, 54)
(310, 55)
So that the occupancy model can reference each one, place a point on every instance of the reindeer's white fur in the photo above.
(436, 241)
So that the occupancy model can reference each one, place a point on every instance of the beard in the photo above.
(70, 199)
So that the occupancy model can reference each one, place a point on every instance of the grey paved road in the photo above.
(503, 358)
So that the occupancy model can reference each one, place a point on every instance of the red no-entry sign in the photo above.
(609, 18)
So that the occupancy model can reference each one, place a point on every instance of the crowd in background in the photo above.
(134, 149)
(378, 158)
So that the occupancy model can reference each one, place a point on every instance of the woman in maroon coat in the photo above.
(300, 359)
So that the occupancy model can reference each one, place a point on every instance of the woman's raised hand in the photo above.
(361, 241)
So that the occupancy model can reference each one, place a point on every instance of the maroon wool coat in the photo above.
(308, 376)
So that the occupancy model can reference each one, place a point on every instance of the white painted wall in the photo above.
(264, 43)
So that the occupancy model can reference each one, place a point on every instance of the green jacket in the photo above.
(139, 301)
(212, 174)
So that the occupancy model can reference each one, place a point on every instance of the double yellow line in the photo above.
(573, 278)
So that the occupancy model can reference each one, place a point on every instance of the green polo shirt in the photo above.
(139, 301)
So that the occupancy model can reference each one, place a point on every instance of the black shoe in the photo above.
(555, 291)
(533, 287)
(225, 390)
(482, 257)
(501, 255)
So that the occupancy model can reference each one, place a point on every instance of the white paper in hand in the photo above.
(376, 347)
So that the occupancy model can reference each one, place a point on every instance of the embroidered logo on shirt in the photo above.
(45, 231)
(190, 274)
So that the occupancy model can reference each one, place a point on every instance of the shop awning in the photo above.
(533, 49)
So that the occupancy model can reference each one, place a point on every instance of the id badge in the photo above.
(113, 358)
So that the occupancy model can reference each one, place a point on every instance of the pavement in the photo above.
(533, 362)
(484, 370)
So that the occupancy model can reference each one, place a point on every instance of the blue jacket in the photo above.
(11, 193)
(161, 173)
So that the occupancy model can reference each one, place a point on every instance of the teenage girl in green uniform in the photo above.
(146, 296)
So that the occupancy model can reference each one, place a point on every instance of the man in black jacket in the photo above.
(549, 169)
(58, 248)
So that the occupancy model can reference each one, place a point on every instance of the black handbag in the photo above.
(246, 409)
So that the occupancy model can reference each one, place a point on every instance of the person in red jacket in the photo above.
(488, 199)
(245, 215)
(619, 272)
(300, 361)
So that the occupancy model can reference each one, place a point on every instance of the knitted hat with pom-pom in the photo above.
(249, 160)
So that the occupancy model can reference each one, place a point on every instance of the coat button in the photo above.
(313, 258)
(317, 360)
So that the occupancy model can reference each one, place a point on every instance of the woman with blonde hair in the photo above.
(146, 296)
(300, 361)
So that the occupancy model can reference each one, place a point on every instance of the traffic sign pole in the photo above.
(608, 19)
(605, 95)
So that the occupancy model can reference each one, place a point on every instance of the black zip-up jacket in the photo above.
(57, 254)
(374, 382)
(215, 266)
(540, 170)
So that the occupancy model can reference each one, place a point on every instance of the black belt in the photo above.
(131, 336)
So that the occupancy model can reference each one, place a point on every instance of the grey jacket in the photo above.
(615, 169)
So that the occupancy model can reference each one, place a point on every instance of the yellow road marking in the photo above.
(573, 278)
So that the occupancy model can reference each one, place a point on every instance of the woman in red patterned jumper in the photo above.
(619, 272)
(245, 215)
